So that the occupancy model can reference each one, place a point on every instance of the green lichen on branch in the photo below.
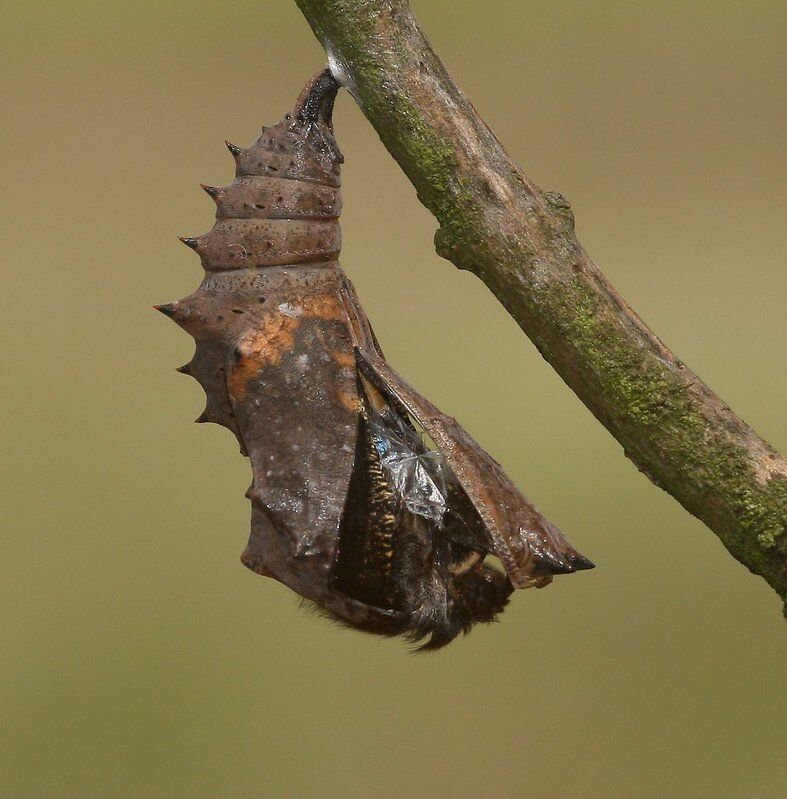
(520, 241)
(683, 446)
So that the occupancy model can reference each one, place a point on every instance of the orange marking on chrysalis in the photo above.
(267, 343)
(343, 358)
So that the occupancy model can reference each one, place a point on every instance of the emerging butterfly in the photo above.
(351, 508)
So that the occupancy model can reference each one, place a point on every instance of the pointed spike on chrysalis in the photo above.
(185, 369)
(168, 309)
(203, 417)
(580, 562)
(555, 563)
(233, 148)
(189, 241)
(183, 313)
(211, 191)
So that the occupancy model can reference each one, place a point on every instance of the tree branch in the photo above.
(520, 241)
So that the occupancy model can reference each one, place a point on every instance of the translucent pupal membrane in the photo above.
(418, 475)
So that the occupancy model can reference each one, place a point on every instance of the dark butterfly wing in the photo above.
(530, 547)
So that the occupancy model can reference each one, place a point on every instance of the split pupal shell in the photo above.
(290, 365)
(274, 351)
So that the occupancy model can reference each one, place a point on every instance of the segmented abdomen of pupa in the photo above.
(274, 348)
(282, 209)
(283, 206)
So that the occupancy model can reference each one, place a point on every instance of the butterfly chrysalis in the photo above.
(366, 499)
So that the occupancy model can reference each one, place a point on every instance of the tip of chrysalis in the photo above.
(212, 191)
(556, 567)
(202, 418)
(168, 309)
(580, 562)
(185, 369)
(189, 241)
(233, 148)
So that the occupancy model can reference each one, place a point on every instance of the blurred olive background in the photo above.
(138, 657)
